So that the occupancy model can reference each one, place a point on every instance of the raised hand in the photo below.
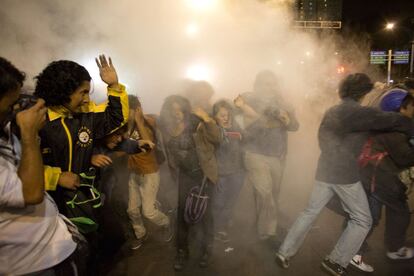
(31, 120)
(107, 71)
(239, 101)
(284, 117)
(200, 113)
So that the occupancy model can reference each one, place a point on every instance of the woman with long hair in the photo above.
(189, 138)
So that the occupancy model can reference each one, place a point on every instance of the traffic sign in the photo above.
(401, 57)
(378, 57)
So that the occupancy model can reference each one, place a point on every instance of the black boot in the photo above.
(204, 260)
(180, 259)
(206, 256)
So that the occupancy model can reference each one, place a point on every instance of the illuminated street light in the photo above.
(198, 72)
(390, 26)
(192, 29)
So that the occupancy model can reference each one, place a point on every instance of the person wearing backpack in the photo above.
(384, 157)
(144, 177)
(342, 133)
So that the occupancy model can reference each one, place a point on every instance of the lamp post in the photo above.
(390, 26)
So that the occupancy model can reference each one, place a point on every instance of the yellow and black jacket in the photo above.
(67, 139)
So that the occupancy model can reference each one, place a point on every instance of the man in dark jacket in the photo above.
(73, 124)
(380, 176)
(342, 133)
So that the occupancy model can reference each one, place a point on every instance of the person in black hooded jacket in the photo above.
(380, 176)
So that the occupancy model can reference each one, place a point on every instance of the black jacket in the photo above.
(67, 140)
(342, 133)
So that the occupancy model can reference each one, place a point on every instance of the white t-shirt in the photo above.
(33, 237)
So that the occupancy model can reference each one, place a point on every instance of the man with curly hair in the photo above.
(73, 125)
(33, 236)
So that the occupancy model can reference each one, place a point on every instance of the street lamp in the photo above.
(390, 26)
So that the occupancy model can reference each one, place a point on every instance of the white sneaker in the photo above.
(358, 263)
(404, 253)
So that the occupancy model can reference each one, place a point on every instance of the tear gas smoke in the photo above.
(157, 44)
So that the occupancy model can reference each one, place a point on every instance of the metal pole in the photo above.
(389, 67)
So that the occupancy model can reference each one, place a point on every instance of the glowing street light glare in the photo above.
(308, 54)
(192, 29)
(390, 26)
(202, 5)
(198, 72)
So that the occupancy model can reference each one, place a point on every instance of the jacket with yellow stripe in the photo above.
(67, 139)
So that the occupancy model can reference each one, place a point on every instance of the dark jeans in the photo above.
(397, 220)
(226, 194)
(185, 183)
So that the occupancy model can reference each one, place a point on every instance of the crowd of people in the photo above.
(63, 207)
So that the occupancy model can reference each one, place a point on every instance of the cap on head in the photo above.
(393, 100)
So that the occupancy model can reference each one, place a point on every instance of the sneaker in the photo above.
(204, 260)
(135, 243)
(222, 237)
(333, 268)
(404, 253)
(180, 259)
(359, 264)
(282, 260)
(167, 232)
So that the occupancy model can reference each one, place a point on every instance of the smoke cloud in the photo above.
(155, 45)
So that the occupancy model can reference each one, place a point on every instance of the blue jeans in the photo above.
(227, 191)
(355, 203)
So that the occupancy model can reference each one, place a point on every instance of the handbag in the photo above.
(196, 203)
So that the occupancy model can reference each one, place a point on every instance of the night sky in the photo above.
(371, 16)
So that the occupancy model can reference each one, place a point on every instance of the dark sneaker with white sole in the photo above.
(180, 259)
(282, 261)
(404, 253)
(204, 260)
(167, 232)
(333, 268)
(135, 243)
